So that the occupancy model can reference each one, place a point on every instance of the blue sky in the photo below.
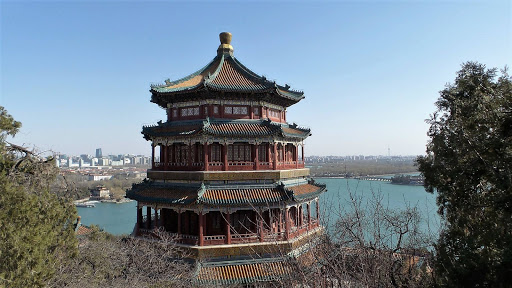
(77, 74)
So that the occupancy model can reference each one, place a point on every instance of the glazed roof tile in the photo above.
(82, 230)
(149, 191)
(305, 191)
(243, 196)
(224, 73)
(226, 128)
(241, 128)
(163, 193)
(245, 272)
(232, 77)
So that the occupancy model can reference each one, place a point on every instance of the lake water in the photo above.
(120, 218)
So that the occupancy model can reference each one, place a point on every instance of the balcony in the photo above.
(232, 166)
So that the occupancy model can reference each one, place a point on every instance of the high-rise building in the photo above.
(230, 186)
(98, 153)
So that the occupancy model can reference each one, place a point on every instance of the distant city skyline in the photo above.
(77, 74)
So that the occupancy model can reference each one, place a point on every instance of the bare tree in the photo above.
(110, 261)
(370, 245)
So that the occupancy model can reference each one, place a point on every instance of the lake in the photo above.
(120, 218)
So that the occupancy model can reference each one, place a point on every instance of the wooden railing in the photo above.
(235, 238)
(232, 166)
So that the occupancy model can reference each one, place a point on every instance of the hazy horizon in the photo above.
(77, 74)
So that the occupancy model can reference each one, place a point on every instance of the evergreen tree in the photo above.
(36, 227)
(469, 163)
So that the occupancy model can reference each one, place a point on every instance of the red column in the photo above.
(317, 210)
(269, 151)
(309, 215)
(162, 217)
(260, 226)
(139, 216)
(190, 155)
(256, 157)
(225, 156)
(280, 221)
(287, 224)
(152, 156)
(252, 112)
(156, 218)
(275, 157)
(303, 153)
(205, 156)
(228, 228)
(166, 162)
(148, 217)
(179, 222)
(201, 227)
(186, 229)
(296, 156)
(301, 215)
(161, 154)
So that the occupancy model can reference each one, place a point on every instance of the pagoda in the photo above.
(228, 180)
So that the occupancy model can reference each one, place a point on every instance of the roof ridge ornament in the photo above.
(225, 44)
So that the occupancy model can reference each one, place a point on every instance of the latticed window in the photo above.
(181, 153)
(228, 110)
(274, 113)
(205, 110)
(191, 111)
(215, 109)
(239, 152)
(230, 153)
(215, 153)
(256, 111)
(174, 113)
(237, 110)
(262, 153)
(247, 156)
(200, 153)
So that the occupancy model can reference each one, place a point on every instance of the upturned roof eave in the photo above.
(262, 84)
(206, 127)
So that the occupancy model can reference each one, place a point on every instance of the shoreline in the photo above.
(376, 175)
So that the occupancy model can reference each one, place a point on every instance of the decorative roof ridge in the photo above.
(296, 126)
(173, 123)
(288, 192)
(201, 191)
(287, 89)
(256, 78)
(209, 78)
(236, 121)
(287, 125)
(242, 187)
(292, 93)
(170, 83)
(293, 196)
(206, 124)
(151, 183)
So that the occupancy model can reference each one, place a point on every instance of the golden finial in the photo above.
(225, 43)
(225, 38)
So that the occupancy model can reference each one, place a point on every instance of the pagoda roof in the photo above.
(184, 194)
(224, 74)
(244, 271)
(222, 127)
